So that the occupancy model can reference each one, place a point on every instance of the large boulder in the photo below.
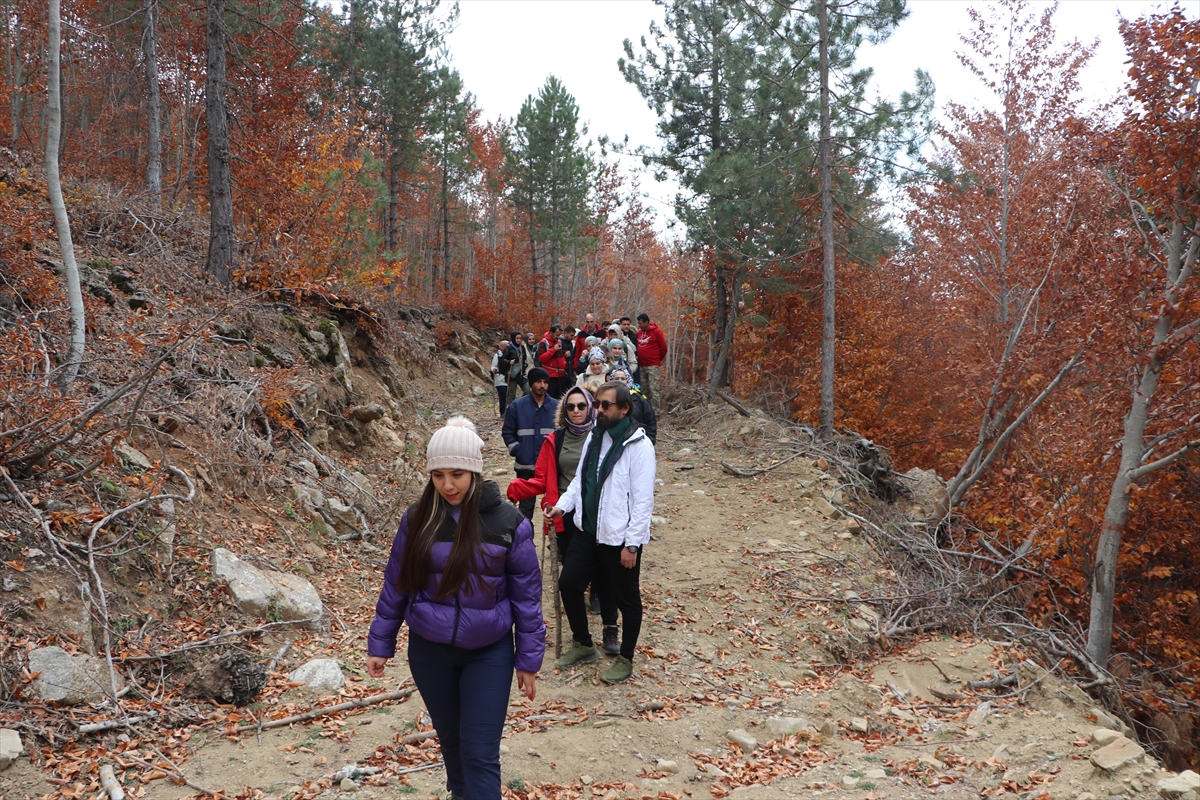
(320, 676)
(265, 594)
(69, 679)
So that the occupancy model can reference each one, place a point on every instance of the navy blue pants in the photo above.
(466, 692)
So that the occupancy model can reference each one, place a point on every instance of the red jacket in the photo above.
(544, 481)
(555, 361)
(651, 346)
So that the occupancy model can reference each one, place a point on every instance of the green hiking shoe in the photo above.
(578, 654)
(620, 670)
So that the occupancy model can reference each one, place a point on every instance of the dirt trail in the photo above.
(732, 640)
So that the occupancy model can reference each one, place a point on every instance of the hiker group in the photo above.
(580, 421)
(584, 356)
(583, 436)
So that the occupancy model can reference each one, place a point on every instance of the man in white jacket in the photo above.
(612, 495)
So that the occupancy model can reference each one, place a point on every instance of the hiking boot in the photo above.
(594, 606)
(612, 641)
(578, 654)
(620, 670)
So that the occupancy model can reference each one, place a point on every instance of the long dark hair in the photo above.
(424, 522)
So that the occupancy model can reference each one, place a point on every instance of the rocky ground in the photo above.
(758, 674)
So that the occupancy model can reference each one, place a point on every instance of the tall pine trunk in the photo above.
(829, 283)
(445, 235)
(62, 223)
(220, 182)
(153, 102)
(722, 369)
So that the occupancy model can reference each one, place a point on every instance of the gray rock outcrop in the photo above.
(1184, 786)
(927, 490)
(69, 679)
(267, 594)
(1118, 754)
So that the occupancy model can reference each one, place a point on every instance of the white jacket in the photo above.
(626, 497)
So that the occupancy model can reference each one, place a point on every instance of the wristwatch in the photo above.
(633, 548)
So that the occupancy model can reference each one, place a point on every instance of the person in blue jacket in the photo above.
(526, 423)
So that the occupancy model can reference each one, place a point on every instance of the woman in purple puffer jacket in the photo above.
(464, 575)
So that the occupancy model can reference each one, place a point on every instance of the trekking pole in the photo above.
(557, 598)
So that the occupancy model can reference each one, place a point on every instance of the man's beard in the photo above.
(604, 423)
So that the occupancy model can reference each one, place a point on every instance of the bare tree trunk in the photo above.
(220, 182)
(15, 69)
(153, 102)
(829, 285)
(61, 222)
(1182, 249)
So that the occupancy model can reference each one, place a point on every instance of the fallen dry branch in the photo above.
(174, 774)
(109, 724)
(418, 737)
(212, 641)
(750, 473)
(741, 409)
(110, 784)
(361, 702)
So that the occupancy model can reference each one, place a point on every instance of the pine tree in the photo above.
(450, 144)
(552, 176)
(736, 87)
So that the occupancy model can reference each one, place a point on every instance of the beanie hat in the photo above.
(456, 446)
(538, 374)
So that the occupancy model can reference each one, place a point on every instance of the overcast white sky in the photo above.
(504, 49)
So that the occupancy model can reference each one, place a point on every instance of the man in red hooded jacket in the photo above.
(552, 355)
(651, 350)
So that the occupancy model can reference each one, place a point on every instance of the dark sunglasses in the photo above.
(606, 404)
(576, 406)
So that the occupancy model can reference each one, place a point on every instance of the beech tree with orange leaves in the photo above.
(1153, 160)
(1002, 236)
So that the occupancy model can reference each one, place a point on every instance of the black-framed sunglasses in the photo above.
(606, 404)
(576, 406)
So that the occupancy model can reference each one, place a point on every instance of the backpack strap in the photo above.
(559, 435)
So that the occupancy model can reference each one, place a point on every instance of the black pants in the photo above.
(559, 386)
(584, 558)
(529, 503)
(608, 600)
(502, 394)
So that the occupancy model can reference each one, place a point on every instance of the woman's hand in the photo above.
(527, 683)
(375, 665)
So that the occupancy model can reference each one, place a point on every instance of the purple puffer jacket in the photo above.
(507, 590)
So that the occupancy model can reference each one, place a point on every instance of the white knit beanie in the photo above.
(456, 446)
